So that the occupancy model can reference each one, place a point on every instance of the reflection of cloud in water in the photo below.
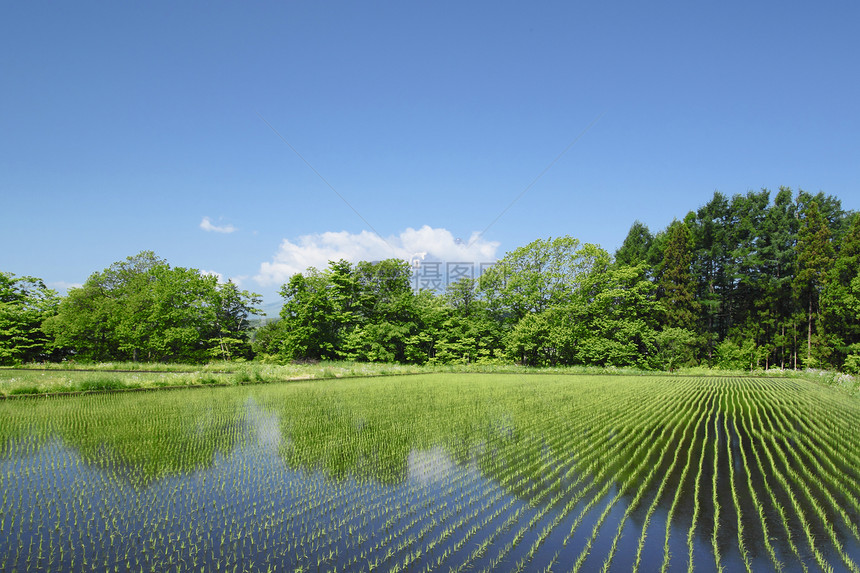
(264, 424)
(429, 466)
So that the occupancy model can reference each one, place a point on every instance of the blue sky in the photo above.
(129, 127)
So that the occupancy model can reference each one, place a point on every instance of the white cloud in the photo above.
(63, 287)
(215, 274)
(426, 243)
(237, 280)
(206, 225)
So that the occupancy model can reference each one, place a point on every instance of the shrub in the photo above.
(852, 364)
(101, 384)
(25, 390)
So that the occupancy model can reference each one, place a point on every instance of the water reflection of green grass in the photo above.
(452, 470)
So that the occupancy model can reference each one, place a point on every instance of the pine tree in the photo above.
(677, 290)
(840, 301)
(814, 259)
(776, 244)
(635, 248)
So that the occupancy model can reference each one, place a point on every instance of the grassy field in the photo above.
(70, 377)
(430, 472)
(66, 378)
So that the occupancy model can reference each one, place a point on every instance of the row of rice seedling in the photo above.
(652, 441)
(684, 446)
(573, 492)
(443, 472)
(812, 494)
(807, 484)
(741, 403)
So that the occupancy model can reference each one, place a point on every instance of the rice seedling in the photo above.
(432, 472)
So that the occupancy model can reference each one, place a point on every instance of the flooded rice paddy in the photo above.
(436, 472)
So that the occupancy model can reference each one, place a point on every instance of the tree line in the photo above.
(742, 282)
(140, 309)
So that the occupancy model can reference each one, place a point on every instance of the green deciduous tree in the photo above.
(385, 317)
(535, 340)
(541, 275)
(309, 325)
(25, 302)
(361, 312)
(619, 315)
(231, 327)
(468, 333)
(144, 309)
(675, 347)
(610, 321)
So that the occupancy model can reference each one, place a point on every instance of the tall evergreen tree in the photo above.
(746, 264)
(636, 245)
(710, 265)
(775, 306)
(840, 300)
(814, 259)
(676, 287)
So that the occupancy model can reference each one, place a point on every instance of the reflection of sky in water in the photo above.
(431, 466)
(265, 426)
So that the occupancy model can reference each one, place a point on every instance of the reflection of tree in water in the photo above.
(138, 437)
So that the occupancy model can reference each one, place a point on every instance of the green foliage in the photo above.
(760, 272)
(840, 298)
(676, 288)
(676, 348)
(742, 355)
(144, 309)
(852, 363)
(739, 268)
(266, 339)
(365, 312)
(539, 339)
(541, 275)
(620, 312)
(780, 280)
(814, 258)
(636, 247)
(25, 302)
(611, 321)
(466, 330)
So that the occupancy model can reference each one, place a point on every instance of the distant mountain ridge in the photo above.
(272, 310)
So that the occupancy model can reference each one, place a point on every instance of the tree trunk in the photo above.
(782, 348)
(794, 346)
(809, 333)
